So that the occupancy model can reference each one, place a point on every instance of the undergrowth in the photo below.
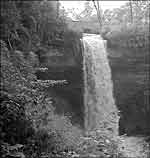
(28, 124)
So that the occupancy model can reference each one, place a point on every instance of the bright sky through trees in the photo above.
(79, 5)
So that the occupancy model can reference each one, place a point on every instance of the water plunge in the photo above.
(100, 109)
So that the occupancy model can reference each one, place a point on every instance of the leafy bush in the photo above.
(27, 114)
(99, 143)
(8, 150)
(27, 25)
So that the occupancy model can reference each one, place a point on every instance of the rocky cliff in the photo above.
(130, 74)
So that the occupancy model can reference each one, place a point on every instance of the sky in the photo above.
(80, 4)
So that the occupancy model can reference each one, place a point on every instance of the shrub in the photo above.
(27, 114)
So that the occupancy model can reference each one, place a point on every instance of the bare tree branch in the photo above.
(99, 16)
(131, 12)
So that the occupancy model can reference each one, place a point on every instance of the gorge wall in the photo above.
(130, 74)
(67, 98)
(130, 71)
(87, 98)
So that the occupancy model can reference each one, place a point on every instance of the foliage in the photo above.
(122, 31)
(131, 37)
(28, 124)
(88, 9)
(8, 150)
(27, 114)
(99, 143)
(129, 40)
(33, 26)
(121, 15)
(26, 25)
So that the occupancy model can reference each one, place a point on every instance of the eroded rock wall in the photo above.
(130, 74)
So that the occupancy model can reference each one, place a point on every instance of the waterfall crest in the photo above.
(100, 108)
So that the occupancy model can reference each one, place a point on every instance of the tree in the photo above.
(131, 12)
(140, 11)
(57, 3)
(99, 13)
(135, 12)
(87, 11)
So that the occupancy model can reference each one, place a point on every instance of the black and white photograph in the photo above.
(74, 79)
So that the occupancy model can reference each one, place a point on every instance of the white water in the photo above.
(100, 108)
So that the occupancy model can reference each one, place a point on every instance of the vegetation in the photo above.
(128, 48)
(126, 30)
(29, 125)
(99, 13)
(27, 114)
(124, 27)
(128, 27)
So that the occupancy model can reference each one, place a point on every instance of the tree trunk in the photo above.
(131, 11)
(57, 8)
(99, 16)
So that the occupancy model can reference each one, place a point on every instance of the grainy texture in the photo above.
(100, 109)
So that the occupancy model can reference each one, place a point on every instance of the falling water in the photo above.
(100, 109)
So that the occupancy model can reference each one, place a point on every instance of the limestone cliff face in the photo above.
(100, 109)
(130, 74)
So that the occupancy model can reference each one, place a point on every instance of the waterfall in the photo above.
(100, 109)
